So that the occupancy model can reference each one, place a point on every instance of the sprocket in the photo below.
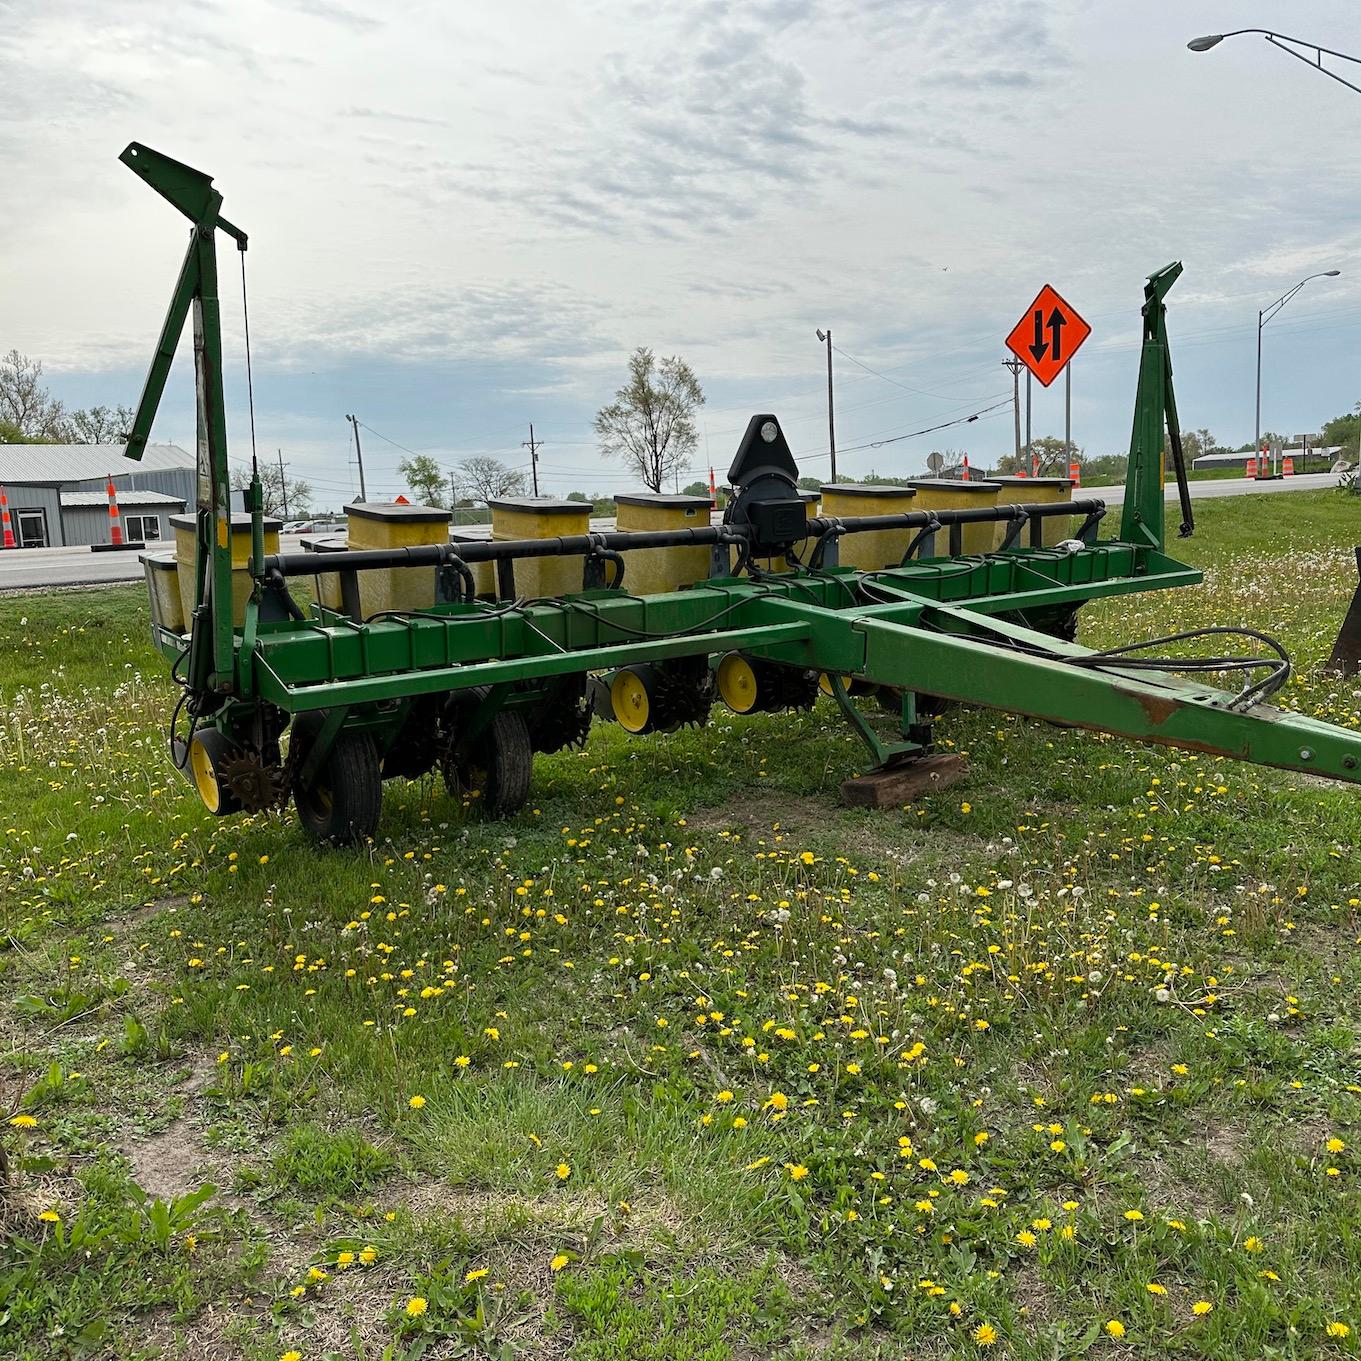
(255, 785)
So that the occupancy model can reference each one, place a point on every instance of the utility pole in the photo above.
(831, 419)
(359, 456)
(1029, 448)
(533, 446)
(283, 483)
(1015, 366)
(1067, 416)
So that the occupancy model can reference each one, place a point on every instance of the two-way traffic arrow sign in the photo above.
(1048, 335)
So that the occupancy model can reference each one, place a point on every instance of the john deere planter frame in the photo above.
(324, 707)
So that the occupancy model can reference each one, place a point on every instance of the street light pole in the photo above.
(831, 422)
(1264, 316)
(1280, 40)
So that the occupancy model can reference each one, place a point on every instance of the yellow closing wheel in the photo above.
(737, 683)
(209, 753)
(631, 699)
(825, 683)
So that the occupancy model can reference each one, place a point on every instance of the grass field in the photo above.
(688, 1061)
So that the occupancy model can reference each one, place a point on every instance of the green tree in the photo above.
(486, 479)
(650, 425)
(25, 403)
(11, 434)
(273, 484)
(425, 478)
(100, 425)
(1344, 430)
(1105, 470)
(1053, 455)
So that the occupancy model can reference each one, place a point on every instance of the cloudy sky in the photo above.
(464, 216)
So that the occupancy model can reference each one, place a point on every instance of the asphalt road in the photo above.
(25, 568)
(1221, 486)
(29, 568)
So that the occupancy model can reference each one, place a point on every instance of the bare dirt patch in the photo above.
(167, 1164)
(875, 835)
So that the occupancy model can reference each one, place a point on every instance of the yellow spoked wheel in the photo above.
(737, 684)
(209, 753)
(631, 699)
(825, 683)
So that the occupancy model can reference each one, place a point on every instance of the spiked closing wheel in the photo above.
(749, 685)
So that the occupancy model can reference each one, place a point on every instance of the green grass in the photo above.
(687, 1060)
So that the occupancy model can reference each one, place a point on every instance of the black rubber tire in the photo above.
(344, 803)
(494, 773)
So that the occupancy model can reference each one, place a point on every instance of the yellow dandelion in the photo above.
(1115, 1328)
(985, 1334)
(559, 1261)
(416, 1102)
(475, 1275)
(416, 1306)
(564, 1171)
(1338, 1330)
(23, 1122)
(1201, 1308)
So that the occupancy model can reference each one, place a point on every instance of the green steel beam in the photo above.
(1141, 705)
(1141, 519)
(447, 638)
(192, 193)
(788, 640)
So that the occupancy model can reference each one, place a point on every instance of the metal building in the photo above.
(58, 492)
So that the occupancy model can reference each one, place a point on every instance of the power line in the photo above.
(920, 392)
(912, 434)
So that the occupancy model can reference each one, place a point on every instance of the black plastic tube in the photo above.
(581, 545)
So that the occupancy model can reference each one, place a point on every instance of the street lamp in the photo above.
(831, 424)
(1264, 316)
(1280, 40)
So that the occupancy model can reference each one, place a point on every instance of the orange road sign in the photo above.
(1048, 335)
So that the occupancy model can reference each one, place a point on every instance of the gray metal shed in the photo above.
(145, 515)
(45, 481)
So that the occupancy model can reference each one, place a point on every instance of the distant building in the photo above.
(58, 493)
